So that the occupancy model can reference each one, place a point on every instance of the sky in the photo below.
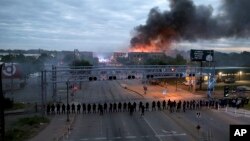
(88, 25)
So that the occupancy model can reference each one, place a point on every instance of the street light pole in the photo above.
(67, 83)
(2, 122)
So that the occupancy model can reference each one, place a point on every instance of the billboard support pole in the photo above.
(201, 76)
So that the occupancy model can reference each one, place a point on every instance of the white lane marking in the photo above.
(100, 138)
(84, 139)
(152, 128)
(181, 134)
(101, 126)
(130, 137)
(116, 138)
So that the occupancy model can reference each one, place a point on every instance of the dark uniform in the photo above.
(48, 109)
(68, 108)
(184, 106)
(164, 104)
(94, 108)
(153, 106)
(142, 110)
(101, 110)
(119, 107)
(114, 107)
(58, 107)
(159, 105)
(78, 108)
(134, 106)
(73, 107)
(53, 109)
(147, 106)
(124, 106)
(110, 107)
(84, 108)
(105, 106)
(89, 108)
(63, 109)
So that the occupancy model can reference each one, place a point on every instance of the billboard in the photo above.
(202, 55)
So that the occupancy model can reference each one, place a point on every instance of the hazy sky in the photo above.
(87, 25)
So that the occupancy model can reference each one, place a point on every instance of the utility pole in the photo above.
(42, 94)
(12, 73)
(2, 121)
(67, 83)
(54, 85)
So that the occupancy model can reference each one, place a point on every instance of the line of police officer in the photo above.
(172, 106)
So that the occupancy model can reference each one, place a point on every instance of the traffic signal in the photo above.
(131, 77)
(226, 91)
(193, 74)
(150, 76)
(179, 75)
(112, 77)
(92, 78)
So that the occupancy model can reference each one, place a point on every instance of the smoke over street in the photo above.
(187, 21)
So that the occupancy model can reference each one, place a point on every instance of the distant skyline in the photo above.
(89, 25)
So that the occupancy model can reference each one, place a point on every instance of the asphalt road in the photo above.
(154, 125)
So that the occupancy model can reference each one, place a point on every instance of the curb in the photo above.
(66, 131)
(15, 112)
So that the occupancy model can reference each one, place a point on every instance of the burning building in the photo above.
(190, 22)
(141, 57)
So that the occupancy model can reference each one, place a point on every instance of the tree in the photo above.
(80, 63)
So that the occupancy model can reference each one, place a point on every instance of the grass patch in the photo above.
(247, 107)
(17, 106)
(25, 128)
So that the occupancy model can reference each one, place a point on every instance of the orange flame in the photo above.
(159, 44)
(144, 48)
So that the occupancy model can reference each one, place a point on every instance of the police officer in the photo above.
(169, 102)
(129, 105)
(53, 108)
(147, 106)
(159, 105)
(114, 107)
(63, 108)
(68, 108)
(184, 106)
(105, 106)
(48, 109)
(58, 107)
(119, 107)
(73, 108)
(124, 107)
(110, 107)
(142, 110)
(140, 105)
(84, 108)
(78, 108)
(131, 110)
(101, 110)
(164, 104)
(89, 108)
(94, 108)
(153, 106)
(134, 106)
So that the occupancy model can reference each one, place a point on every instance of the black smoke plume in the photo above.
(186, 21)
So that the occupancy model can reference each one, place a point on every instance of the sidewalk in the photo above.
(57, 130)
